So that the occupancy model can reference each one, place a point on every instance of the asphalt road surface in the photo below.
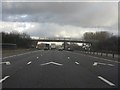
(58, 69)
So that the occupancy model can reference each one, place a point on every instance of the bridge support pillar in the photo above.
(65, 45)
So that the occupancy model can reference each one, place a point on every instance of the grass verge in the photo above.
(6, 53)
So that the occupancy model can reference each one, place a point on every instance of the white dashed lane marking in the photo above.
(68, 57)
(99, 63)
(37, 57)
(76, 63)
(52, 63)
(106, 81)
(29, 62)
(7, 63)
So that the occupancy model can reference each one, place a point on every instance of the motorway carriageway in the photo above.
(58, 69)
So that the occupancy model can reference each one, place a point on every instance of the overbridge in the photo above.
(64, 40)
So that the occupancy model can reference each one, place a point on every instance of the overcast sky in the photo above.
(59, 19)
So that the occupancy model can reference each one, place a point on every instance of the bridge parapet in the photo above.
(60, 38)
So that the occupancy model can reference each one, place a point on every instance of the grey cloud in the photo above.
(77, 13)
(53, 30)
(62, 19)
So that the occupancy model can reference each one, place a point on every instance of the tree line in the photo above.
(22, 40)
(104, 41)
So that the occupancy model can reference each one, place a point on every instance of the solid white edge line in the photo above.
(4, 79)
(108, 82)
(19, 54)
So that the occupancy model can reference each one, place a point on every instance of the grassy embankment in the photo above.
(6, 53)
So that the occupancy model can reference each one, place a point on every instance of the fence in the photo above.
(107, 54)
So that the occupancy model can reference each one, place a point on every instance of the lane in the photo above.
(77, 71)
(17, 63)
(110, 73)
